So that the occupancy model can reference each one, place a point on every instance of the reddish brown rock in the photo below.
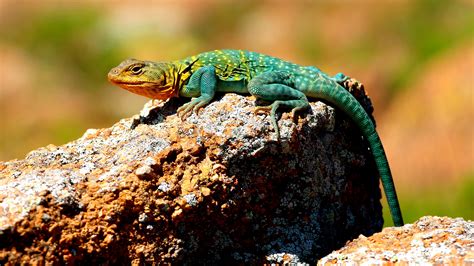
(214, 188)
(429, 241)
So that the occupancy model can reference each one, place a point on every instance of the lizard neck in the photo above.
(181, 72)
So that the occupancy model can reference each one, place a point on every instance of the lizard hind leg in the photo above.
(277, 86)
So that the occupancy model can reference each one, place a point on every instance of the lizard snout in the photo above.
(113, 73)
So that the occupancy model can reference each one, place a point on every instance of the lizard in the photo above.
(268, 78)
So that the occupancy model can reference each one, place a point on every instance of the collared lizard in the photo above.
(267, 78)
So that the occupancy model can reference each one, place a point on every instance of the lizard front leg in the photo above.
(277, 86)
(202, 83)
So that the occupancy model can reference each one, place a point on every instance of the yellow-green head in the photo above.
(154, 80)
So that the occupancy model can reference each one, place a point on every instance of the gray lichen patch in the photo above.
(26, 191)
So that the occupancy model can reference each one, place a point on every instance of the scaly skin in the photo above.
(267, 78)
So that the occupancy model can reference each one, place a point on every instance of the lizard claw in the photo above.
(184, 111)
(192, 107)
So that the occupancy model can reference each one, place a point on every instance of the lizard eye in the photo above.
(136, 70)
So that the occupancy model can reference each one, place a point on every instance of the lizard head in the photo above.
(146, 78)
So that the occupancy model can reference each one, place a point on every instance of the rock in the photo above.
(214, 188)
(429, 241)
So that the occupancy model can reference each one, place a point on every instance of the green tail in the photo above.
(386, 176)
(346, 102)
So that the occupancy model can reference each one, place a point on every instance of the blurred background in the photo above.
(416, 59)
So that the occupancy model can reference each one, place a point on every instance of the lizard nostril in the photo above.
(112, 73)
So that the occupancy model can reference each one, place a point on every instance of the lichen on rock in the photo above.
(428, 241)
(216, 187)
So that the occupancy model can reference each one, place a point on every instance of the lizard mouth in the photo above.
(153, 92)
(133, 83)
(150, 89)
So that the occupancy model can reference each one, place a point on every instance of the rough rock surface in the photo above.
(429, 241)
(216, 187)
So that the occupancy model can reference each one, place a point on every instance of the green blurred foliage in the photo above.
(430, 28)
(224, 19)
(455, 200)
(67, 41)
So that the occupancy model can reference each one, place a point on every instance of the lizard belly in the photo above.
(238, 86)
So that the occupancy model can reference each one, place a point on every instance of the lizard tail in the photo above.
(342, 99)
(386, 177)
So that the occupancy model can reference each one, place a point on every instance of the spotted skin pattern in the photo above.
(282, 83)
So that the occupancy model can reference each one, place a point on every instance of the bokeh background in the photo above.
(416, 59)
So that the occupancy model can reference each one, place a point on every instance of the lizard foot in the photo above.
(272, 108)
(184, 111)
(300, 105)
(192, 107)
